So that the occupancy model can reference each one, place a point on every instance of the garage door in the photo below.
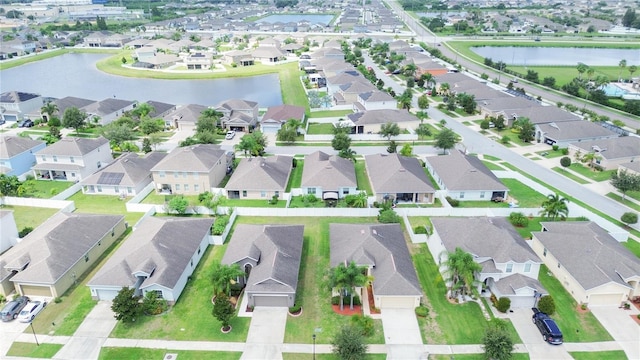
(605, 299)
(403, 302)
(31, 290)
(270, 129)
(262, 300)
(522, 301)
(106, 294)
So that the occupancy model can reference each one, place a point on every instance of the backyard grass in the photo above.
(591, 174)
(298, 202)
(454, 323)
(632, 246)
(526, 196)
(570, 175)
(295, 179)
(159, 199)
(320, 129)
(575, 327)
(598, 355)
(127, 353)
(482, 204)
(361, 177)
(329, 113)
(190, 318)
(533, 225)
(419, 221)
(626, 202)
(104, 204)
(27, 216)
(31, 350)
(434, 183)
(46, 189)
(314, 297)
(252, 203)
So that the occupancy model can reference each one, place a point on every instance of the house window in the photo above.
(117, 189)
(461, 195)
(199, 251)
(481, 194)
(191, 262)
(277, 194)
(244, 193)
(44, 158)
(177, 187)
(158, 293)
(263, 193)
(544, 252)
(175, 174)
(55, 158)
(196, 188)
(345, 191)
(509, 268)
(186, 187)
(161, 174)
(129, 190)
(100, 242)
(99, 165)
(99, 188)
(527, 267)
(311, 191)
(195, 175)
(72, 159)
(86, 258)
(73, 175)
(184, 174)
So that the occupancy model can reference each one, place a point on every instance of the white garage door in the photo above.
(605, 299)
(263, 300)
(402, 302)
(269, 128)
(106, 294)
(522, 301)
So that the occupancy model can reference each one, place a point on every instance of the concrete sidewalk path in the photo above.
(86, 342)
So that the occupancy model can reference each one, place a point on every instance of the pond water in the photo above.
(512, 55)
(296, 18)
(76, 75)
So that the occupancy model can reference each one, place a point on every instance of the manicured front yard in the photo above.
(626, 201)
(526, 196)
(598, 355)
(590, 173)
(575, 327)
(569, 174)
(190, 318)
(361, 177)
(515, 356)
(298, 356)
(108, 353)
(31, 350)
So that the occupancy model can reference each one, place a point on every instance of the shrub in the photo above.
(53, 192)
(295, 309)
(2, 299)
(388, 216)
(453, 202)
(564, 151)
(484, 125)
(363, 323)
(335, 300)
(504, 303)
(505, 140)
(309, 199)
(565, 161)
(219, 225)
(152, 305)
(547, 305)
(518, 219)
(57, 300)
(555, 147)
(493, 299)
(629, 218)
(25, 231)
(420, 230)
(422, 311)
(274, 200)
(54, 121)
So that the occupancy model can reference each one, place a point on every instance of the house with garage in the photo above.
(370, 122)
(591, 265)
(151, 260)
(610, 152)
(191, 170)
(238, 57)
(14, 105)
(567, 132)
(540, 114)
(72, 158)
(382, 249)
(238, 114)
(397, 178)
(106, 111)
(465, 177)
(270, 257)
(509, 267)
(278, 115)
(328, 177)
(57, 253)
(184, 117)
(127, 176)
(268, 54)
(347, 94)
(260, 178)
(17, 154)
(374, 100)
(67, 102)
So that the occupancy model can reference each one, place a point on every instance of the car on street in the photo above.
(13, 308)
(230, 135)
(548, 328)
(25, 124)
(30, 311)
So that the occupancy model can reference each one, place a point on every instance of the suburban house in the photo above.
(17, 154)
(509, 266)
(160, 109)
(382, 249)
(398, 178)
(278, 115)
(14, 105)
(184, 117)
(333, 83)
(465, 177)
(592, 266)
(630, 167)
(151, 260)
(260, 178)
(505, 106)
(199, 61)
(68, 102)
(347, 94)
(566, 132)
(270, 257)
(57, 253)
(238, 114)
(328, 177)
(539, 114)
(126, 176)
(106, 39)
(191, 170)
(72, 158)
(374, 100)
(8, 230)
(368, 122)
(238, 57)
(105, 111)
(268, 54)
(610, 152)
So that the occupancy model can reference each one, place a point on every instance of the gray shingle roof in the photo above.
(160, 246)
(187, 113)
(498, 240)
(55, 246)
(380, 246)
(461, 172)
(71, 101)
(132, 167)
(589, 253)
(282, 113)
(107, 106)
(381, 116)
(538, 114)
(73, 146)
(330, 172)
(270, 173)
(614, 148)
(572, 130)
(11, 146)
(194, 158)
(15, 97)
(278, 249)
(238, 104)
(393, 173)
(510, 284)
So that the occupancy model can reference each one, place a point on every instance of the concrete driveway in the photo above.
(266, 333)
(402, 334)
(10, 332)
(621, 326)
(532, 339)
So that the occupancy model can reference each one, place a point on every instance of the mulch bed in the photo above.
(372, 304)
(580, 311)
(635, 318)
(357, 309)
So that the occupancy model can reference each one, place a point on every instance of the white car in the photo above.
(30, 311)
(230, 135)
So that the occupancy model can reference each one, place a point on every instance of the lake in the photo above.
(77, 75)
(513, 55)
(296, 18)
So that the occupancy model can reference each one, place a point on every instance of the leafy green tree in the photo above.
(117, 133)
(289, 131)
(445, 140)
(337, 281)
(582, 68)
(146, 145)
(341, 141)
(423, 130)
(407, 150)
(178, 204)
(154, 140)
(126, 306)
(388, 216)
(405, 99)
(9, 185)
(348, 344)
(497, 342)
(629, 218)
(223, 311)
(565, 161)
(467, 102)
(74, 118)
(142, 110)
(547, 305)
(460, 272)
(149, 126)
(252, 144)
(423, 102)
(555, 206)
(388, 130)
(625, 182)
(224, 276)
(208, 120)
(50, 108)
(526, 128)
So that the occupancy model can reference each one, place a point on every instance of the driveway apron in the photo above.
(532, 339)
(402, 334)
(621, 326)
(266, 334)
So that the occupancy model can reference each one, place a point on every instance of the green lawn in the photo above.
(632, 246)
(575, 327)
(46, 189)
(298, 202)
(482, 204)
(492, 166)
(550, 153)
(330, 113)
(515, 356)
(317, 315)
(31, 350)
(298, 356)
(252, 203)
(361, 177)
(534, 225)
(104, 204)
(526, 196)
(320, 129)
(626, 202)
(159, 199)
(190, 318)
(598, 355)
(295, 179)
(419, 221)
(489, 157)
(591, 174)
(27, 216)
(108, 353)
(570, 175)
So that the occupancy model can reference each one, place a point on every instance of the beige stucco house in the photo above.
(260, 178)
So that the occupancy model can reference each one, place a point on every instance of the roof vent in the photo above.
(374, 231)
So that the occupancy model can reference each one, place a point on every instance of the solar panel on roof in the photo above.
(110, 178)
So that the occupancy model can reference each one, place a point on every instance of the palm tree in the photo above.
(224, 276)
(50, 108)
(622, 64)
(409, 70)
(354, 277)
(143, 110)
(632, 69)
(444, 88)
(555, 206)
(428, 79)
(590, 158)
(338, 281)
(590, 72)
(581, 69)
(460, 271)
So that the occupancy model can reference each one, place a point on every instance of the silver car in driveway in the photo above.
(13, 308)
(30, 311)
